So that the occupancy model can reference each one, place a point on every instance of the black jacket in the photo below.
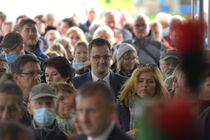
(116, 134)
(48, 134)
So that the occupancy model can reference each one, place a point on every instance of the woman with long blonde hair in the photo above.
(145, 82)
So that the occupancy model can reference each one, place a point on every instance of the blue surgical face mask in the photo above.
(11, 57)
(76, 65)
(45, 116)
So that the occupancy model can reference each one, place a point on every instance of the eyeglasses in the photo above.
(130, 58)
(33, 73)
(147, 65)
(98, 57)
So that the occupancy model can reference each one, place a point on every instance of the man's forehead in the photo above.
(12, 96)
(44, 99)
(171, 59)
(140, 20)
(29, 25)
(104, 47)
(28, 65)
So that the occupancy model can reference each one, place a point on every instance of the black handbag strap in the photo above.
(150, 54)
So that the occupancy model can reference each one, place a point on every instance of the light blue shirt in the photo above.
(106, 78)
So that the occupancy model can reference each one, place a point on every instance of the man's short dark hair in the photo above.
(70, 22)
(12, 130)
(24, 22)
(98, 42)
(92, 88)
(18, 65)
(9, 87)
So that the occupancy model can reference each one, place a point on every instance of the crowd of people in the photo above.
(65, 79)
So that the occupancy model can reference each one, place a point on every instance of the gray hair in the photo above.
(146, 18)
(18, 65)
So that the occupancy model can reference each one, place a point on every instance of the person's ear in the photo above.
(21, 47)
(16, 78)
(30, 109)
(175, 81)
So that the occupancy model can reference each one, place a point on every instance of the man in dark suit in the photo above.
(100, 55)
(95, 107)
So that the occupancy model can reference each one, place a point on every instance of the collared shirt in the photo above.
(106, 78)
(105, 134)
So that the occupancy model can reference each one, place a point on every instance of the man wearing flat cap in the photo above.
(168, 62)
(12, 46)
(42, 104)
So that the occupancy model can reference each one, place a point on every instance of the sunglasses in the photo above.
(147, 65)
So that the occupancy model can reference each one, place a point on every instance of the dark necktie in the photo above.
(101, 81)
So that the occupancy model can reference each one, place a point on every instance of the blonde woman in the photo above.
(105, 32)
(65, 41)
(75, 34)
(145, 81)
(59, 48)
(51, 36)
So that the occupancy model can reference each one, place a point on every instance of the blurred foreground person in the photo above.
(95, 105)
(12, 130)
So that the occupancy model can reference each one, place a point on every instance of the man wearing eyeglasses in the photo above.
(148, 49)
(100, 55)
(26, 73)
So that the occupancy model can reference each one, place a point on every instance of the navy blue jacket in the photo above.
(115, 80)
(54, 134)
(38, 52)
(116, 134)
(124, 117)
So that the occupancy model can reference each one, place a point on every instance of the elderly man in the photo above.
(110, 19)
(100, 56)
(95, 107)
(42, 106)
(168, 62)
(28, 29)
(91, 16)
(147, 47)
(26, 73)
